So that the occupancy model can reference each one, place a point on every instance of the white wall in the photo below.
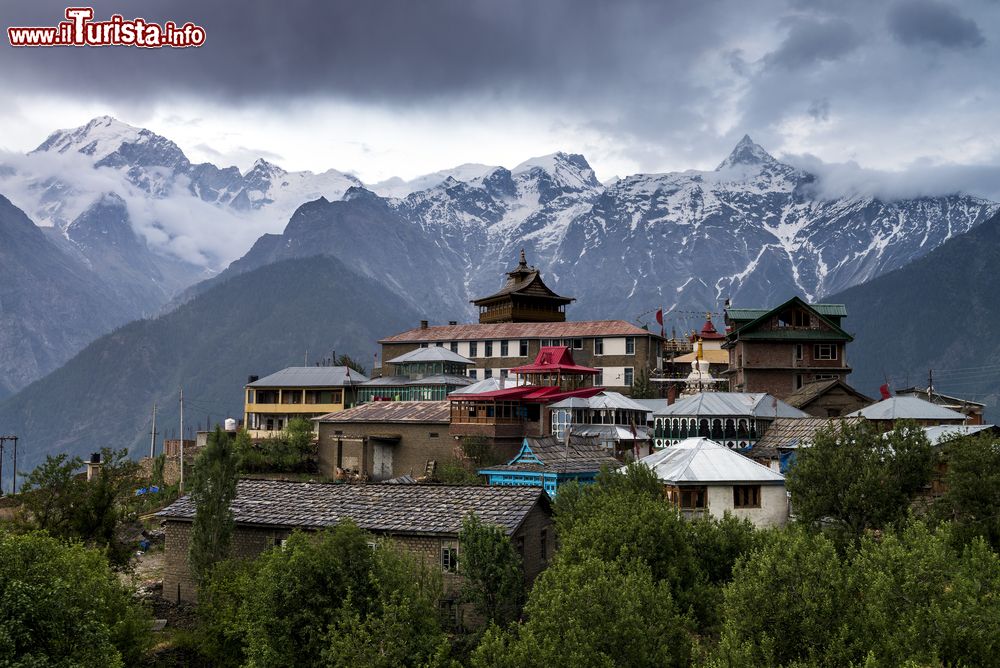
(614, 345)
(611, 374)
(773, 509)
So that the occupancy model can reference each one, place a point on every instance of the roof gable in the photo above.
(700, 461)
(311, 376)
(758, 319)
(810, 392)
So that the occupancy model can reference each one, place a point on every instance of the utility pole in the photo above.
(3, 442)
(182, 442)
(930, 383)
(152, 435)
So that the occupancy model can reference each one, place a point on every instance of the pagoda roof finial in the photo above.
(524, 261)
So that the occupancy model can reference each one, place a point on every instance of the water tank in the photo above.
(230, 424)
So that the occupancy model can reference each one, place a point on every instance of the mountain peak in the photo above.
(262, 166)
(746, 152)
(98, 138)
(570, 169)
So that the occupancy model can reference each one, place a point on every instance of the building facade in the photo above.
(549, 462)
(384, 439)
(780, 350)
(735, 419)
(524, 297)
(299, 391)
(828, 398)
(617, 349)
(421, 519)
(423, 374)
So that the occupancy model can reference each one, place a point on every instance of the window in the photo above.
(439, 344)
(372, 545)
(473, 348)
(798, 352)
(523, 348)
(801, 319)
(280, 542)
(798, 381)
(599, 378)
(432, 434)
(630, 345)
(825, 351)
(629, 373)
(423, 345)
(504, 351)
(598, 346)
(487, 373)
(693, 497)
(746, 496)
(454, 346)
(449, 559)
(543, 545)
(504, 373)
(488, 349)
(577, 344)
(472, 373)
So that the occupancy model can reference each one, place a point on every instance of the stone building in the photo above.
(828, 398)
(524, 297)
(780, 350)
(385, 439)
(422, 519)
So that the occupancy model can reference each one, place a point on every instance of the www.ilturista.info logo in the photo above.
(79, 29)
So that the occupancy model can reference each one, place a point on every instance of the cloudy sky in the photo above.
(902, 94)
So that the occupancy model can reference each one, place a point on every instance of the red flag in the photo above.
(659, 319)
(885, 391)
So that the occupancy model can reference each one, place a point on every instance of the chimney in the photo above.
(252, 379)
(93, 465)
(423, 324)
(671, 394)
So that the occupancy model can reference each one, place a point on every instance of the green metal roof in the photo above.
(746, 313)
(829, 310)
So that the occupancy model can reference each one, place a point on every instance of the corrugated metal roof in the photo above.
(604, 400)
(403, 381)
(393, 411)
(699, 461)
(311, 376)
(945, 432)
(431, 354)
(399, 509)
(487, 385)
(834, 310)
(710, 356)
(520, 330)
(616, 432)
(744, 404)
(906, 408)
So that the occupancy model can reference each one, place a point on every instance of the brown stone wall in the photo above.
(770, 366)
(835, 403)
(410, 454)
(529, 539)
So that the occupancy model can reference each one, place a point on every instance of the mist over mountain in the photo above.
(256, 323)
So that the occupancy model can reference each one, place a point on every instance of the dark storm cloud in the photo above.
(810, 41)
(929, 22)
(375, 50)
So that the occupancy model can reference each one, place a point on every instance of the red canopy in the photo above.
(554, 359)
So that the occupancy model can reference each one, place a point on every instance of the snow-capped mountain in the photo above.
(754, 230)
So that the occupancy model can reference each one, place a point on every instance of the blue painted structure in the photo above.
(548, 462)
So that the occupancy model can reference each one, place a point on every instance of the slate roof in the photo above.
(699, 461)
(748, 404)
(809, 392)
(584, 455)
(393, 411)
(311, 376)
(788, 433)
(431, 354)
(519, 330)
(908, 407)
(392, 509)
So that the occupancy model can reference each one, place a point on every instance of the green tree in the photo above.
(592, 613)
(60, 605)
(971, 500)
(221, 632)
(61, 502)
(492, 569)
(213, 488)
(643, 387)
(346, 360)
(855, 478)
(301, 437)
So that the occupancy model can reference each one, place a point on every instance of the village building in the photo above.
(702, 477)
(524, 297)
(780, 350)
(503, 417)
(380, 440)
(735, 419)
(298, 391)
(828, 398)
(423, 374)
(548, 462)
(780, 444)
(524, 317)
(711, 352)
(886, 413)
(973, 410)
(424, 520)
(618, 423)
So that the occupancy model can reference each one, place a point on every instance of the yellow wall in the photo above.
(280, 408)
